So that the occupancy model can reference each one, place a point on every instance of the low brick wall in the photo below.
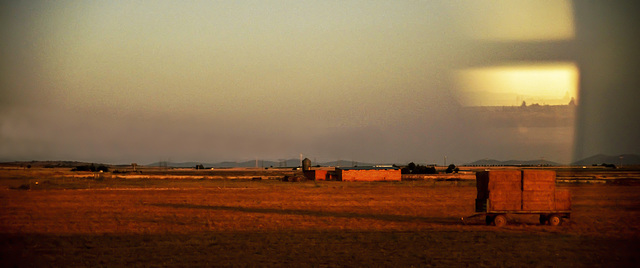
(369, 175)
(420, 177)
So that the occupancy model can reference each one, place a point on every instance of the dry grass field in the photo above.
(62, 221)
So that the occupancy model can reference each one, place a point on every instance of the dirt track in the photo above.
(323, 224)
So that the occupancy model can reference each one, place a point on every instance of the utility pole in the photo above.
(621, 157)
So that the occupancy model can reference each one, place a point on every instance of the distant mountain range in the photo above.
(261, 163)
(230, 164)
(624, 159)
(627, 159)
(493, 162)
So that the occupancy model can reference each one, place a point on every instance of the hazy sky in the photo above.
(377, 81)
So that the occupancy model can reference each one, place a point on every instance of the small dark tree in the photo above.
(102, 168)
(82, 168)
(431, 170)
(91, 168)
(608, 165)
(424, 170)
(451, 169)
(411, 166)
(409, 169)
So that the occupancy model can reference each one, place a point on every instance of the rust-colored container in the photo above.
(528, 191)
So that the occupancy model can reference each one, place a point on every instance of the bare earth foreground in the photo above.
(274, 223)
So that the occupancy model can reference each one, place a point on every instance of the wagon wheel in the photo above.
(555, 220)
(500, 221)
(543, 219)
(489, 219)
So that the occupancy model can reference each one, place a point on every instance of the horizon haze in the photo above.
(372, 81)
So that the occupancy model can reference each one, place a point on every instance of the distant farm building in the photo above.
(317, 175)
(374, 173)
(377, 173)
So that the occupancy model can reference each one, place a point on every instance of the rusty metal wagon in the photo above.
(528, 191)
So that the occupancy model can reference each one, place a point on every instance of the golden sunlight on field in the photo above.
(63, 221)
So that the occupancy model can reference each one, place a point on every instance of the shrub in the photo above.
(412, 168)
(23, 187)
(452, 169)
(91, 168)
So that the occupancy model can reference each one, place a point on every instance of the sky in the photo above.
(368, 81)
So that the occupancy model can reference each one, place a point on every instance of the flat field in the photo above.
(211, 222)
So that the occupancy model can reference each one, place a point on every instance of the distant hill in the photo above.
(627, 159)
(175, 164)
(260, 163)
(343, 163)
(48, 164)
(230, 164)
(493, 162)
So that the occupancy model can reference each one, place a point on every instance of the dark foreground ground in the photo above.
(320, 248)
(273, 223)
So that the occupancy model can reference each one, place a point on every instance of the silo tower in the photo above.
(306, 164)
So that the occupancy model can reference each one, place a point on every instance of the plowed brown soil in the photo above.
(273, 223)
